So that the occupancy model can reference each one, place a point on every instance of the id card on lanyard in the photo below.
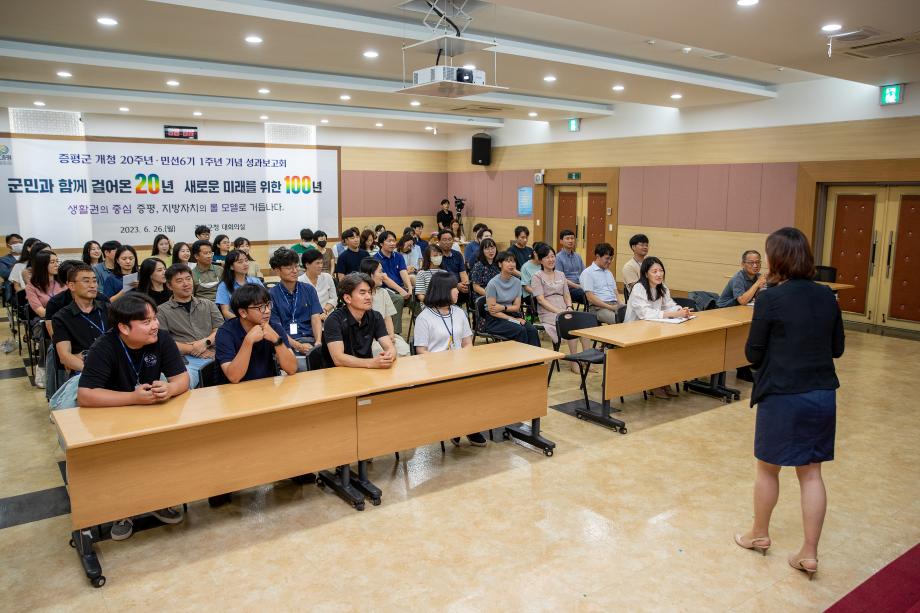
(292, 327)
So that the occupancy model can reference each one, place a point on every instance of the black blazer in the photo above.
(796, 333)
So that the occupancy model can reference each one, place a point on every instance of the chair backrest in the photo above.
(207, 376)
(827, 274)
(685, 302)
(479, 313)
(315, 359)
(626, 288)
(574, 320)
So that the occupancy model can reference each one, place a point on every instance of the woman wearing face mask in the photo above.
(242, 244)
(25, 255)
(431, 261)
(321, 239)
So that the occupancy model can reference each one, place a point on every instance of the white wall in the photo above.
(4, 119)
(808, 102)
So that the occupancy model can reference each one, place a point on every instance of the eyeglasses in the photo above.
(288, 267)
(752, 262)
(262, 308)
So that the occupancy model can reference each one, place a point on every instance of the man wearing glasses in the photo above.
(295, 306)
(744, 285)
(246, 345)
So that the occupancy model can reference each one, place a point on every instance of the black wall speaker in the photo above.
(482, 149)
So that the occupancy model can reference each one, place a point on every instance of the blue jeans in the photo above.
(193, 366)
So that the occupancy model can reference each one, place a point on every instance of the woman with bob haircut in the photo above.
(796, 333)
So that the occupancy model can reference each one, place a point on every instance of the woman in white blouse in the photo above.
(650, 299)
(322, 282)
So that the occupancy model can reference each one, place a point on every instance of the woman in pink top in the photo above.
(551, 291)
(43, 284)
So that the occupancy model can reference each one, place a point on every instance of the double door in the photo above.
(582, 209)
(872, 238)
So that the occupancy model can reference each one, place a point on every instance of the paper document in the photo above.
(672, 320)
(127, 280)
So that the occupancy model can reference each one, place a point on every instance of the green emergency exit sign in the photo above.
(574, 176)
(574, 124)
(891, 94)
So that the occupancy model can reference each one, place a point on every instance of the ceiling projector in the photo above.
(440, 74)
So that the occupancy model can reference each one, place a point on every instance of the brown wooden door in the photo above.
(852, 248)
(904, 258)
(566, 214)
(597, 218)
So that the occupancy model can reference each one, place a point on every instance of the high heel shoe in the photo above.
(799, 565)
(759, 544)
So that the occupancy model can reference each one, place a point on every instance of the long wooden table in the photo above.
(126, 461)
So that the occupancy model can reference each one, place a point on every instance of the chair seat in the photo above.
(591, 356)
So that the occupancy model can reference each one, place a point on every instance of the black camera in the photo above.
(459, 203)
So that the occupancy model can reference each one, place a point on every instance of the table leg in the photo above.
(603, 416)
(340, 483)
(362, 483)
(530, 435)
(83, 540)
(736, 394)
(713, 388)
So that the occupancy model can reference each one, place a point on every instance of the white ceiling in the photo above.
(312, 54)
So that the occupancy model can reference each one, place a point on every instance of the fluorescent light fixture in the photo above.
(747, 2)
(371, 54)
(38, 103)
(107, 21)
(831, 27)
(676, 96)
(532, 114)
(197, 113)
(324, 121)
(64, 74)
(687, 49)
(172, 83)
(264, 90)
(123, 109)
(549, 78)
(415, 103)
(429, 128)
(252, 39)
(263, 117)
(378, 125)
(469, 66)
(345, 97)
(618, 88)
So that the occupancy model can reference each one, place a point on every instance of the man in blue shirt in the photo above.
(480, 231)
(396, 281)
(571, 265)
(418, 227)
(452, 262)
(600, 286)
(245, 345)
(296, 309)
(105, 268)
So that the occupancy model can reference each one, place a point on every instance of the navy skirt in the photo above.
(796, 429)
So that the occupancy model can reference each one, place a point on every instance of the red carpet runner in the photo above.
(894, 589)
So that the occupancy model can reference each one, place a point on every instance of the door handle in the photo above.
(872, 254)
(890, 249)
(584, 228)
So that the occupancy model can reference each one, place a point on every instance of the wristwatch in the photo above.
(279, 342)
(207, 342)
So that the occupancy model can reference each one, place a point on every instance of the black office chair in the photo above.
(207, 376)
(625, 293)
(315, 359)
(828, 274)
(685, 302)
(479, 319)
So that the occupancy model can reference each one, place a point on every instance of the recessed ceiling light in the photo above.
(469, 66)
(197, 113)
(172, 83)
(252, 39)
(123, 109)
(324, 121)
(345, 97)
(378, 125)
(107, 21)
(686, 50)
(264, 90)
(38, 103)
(429, 128)
(532, 114)
(263, 117)
(415, 103)
(747, 2)
(64, 74)
(780, 68)
(676, 96)
(650, 41)
(549, 78)
(618, 88)
(831, 27)
(371, 54)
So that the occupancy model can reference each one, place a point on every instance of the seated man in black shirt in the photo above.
(350, 330)
(349, 260)
(124, 367)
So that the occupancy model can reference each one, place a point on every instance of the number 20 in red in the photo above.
(297, 185)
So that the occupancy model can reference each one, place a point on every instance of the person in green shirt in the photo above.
(306, 242)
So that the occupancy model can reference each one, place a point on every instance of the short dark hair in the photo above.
(309, 256)
(482, 231)
(10, 237)
(477, 227)
(635, 239)
(537, 245)
(602, 249)
(385, 235)
(247, 295)
(176, 269)
(504, 256)
(215, 245)
(748, 252)
(445, 201)
(306, 235)
(379, 228)
(417, 224)
(444, 231)
(348, 233)
(76, 269)
(542, 250)
(132, 307)
(789, 256)
(110, 246)
(239, 240)
(368, 267)
(483, 245)
(519, 229)
(565, 233)
(439, 288)
(197, 245)
(202, 229)
(64, 270)
(318, 234)
(352, 281)
(283, 257)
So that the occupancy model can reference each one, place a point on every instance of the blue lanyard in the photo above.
(450, 330)
(93, 323)
(292, 300)
(136, 369)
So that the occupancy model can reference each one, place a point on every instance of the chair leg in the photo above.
(396, 453)
(443, 449)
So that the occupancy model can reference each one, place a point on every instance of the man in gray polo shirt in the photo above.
(744, 285)
(191, 321)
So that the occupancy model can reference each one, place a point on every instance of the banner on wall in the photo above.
(69, 191)
(525, 201)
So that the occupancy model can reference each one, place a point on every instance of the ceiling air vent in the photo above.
(857, 36)
(718, 57)
(905, 45)
(479, 109)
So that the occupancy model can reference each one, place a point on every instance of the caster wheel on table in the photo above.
(359, 506)
(548, 453)
(622, 430)
(506, 435)
(375, 502)
(320, 484)
(97, 581)
(72, 544)
(578, 416)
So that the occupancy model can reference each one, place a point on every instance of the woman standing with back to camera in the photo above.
(796, 333)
